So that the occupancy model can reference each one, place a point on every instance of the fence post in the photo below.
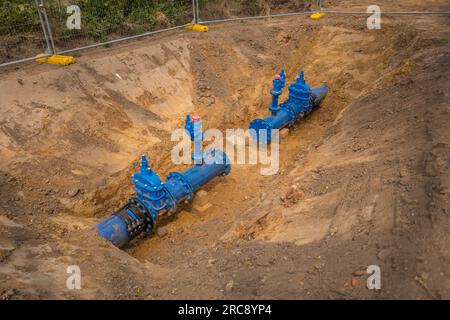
(45, 26)
(195, 11)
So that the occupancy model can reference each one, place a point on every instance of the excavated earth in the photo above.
(364, 180)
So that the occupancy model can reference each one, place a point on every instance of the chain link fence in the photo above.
(213, 11)
(21, 33)
(86, 23)
(32, 27)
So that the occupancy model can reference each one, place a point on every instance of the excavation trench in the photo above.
(71, 144)
(230, 87)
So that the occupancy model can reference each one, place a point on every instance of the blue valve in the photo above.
(302, 100)
(154, 197)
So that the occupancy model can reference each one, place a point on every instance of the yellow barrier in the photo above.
(317, 15)
(198, 28)
(56, 59)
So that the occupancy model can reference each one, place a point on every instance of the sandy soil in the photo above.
(371, 165)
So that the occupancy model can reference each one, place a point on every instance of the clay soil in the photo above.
(364, 180)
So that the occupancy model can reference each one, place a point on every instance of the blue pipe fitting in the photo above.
(302, 100)
(318, 94)
(194, 129)
(279, 82)
(153, 197)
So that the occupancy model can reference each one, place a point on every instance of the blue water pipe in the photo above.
(194, 129)
(154, 197)
(302, 100)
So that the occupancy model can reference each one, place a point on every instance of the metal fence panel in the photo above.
(21, 34)
(85, 23)
(223, 10)
(31, 27)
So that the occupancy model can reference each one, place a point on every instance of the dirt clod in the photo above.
(229, 287)
(161, 231)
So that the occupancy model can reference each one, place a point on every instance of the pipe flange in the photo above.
(256, 126)
(178, 176)
(142, 220)
(148, 219)
(293, 115)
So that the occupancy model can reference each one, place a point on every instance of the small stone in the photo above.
(197, 209)
(201, 203)
(360, 273)
(420, 258)
(73, 192)
(293, 195)
(355, 282)
(229, 287)
(211, 262)
(319, 266)
(333, 231)
(403, 172)
(284, 133)
(383, 254)
(424, 276)
(7, 294)
(161, 231)
(201, 198)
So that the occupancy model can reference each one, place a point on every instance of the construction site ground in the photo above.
(364, 180)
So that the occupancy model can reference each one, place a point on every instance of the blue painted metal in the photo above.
(114, 229)
(194, 129)
(279, 82)
(153, 197)
(302, 100)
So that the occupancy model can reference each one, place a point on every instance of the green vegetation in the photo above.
(18, 16)
(98, 16)
(102, 19)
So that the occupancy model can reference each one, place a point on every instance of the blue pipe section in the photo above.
(279, 82)
(302, 100)
(194, 129)
(153, 197)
